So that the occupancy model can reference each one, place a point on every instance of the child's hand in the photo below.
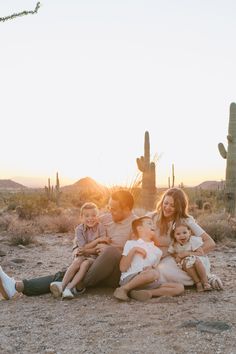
(199, 252)
(148, 268)
(177, 259)
(80, 251)
(141, 251)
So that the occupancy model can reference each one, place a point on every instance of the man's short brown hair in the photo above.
(124, 198)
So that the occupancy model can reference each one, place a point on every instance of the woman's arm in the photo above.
(208, 243)
(93, 244)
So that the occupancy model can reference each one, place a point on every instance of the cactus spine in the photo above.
(230, 156)
(148, 169)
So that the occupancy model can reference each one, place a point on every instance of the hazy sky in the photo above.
(81, 81)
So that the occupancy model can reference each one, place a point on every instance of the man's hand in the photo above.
(101, 247)
(104, 239)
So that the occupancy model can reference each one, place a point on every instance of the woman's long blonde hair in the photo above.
(181, 207)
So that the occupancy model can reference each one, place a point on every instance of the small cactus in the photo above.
(148, 169)
(230, 156)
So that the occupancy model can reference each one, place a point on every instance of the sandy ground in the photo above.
(98, 323)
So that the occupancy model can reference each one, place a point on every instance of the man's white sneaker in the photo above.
(56, 288)
(7, 284)
(67, 294)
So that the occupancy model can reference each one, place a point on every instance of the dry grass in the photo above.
(217, 226)
(22, 232)
(57, 224)
(5, 221)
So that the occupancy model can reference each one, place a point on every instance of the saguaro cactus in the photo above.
(57, 189)
(52, 193)
(148, 194)
(230, 156)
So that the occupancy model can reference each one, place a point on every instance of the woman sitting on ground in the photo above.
(173, 207)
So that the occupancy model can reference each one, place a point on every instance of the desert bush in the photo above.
(5, 220)
(57, 224)
(22, 232)
(217, 226)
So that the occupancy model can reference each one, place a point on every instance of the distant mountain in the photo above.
(86, 185)
(31, 182)
(211, 185)
(8, 184)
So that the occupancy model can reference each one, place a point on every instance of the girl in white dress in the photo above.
(188, 253)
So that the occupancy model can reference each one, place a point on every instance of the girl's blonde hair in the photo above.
(180, 204)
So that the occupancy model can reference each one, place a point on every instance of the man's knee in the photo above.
(112, 254)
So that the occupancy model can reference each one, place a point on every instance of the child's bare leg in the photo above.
(145, 277)
(192, 272)
(85, 265)
(202, 274)
(167, 289)
(71, 271)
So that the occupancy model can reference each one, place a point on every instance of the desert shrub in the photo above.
(5, 221)
(57, 224)
(22, 232)
(217, 226)
(207, 207)
(199, 203)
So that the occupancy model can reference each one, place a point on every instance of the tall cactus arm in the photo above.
(146, 148)
(140, 163)
(230, 138)
(222, 150)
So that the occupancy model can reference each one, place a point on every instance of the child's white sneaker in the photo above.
(7, 284)
(67, 294)
(56, 288)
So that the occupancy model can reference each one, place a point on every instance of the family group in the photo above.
(157, 254)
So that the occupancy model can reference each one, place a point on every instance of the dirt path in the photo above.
(98, 323)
